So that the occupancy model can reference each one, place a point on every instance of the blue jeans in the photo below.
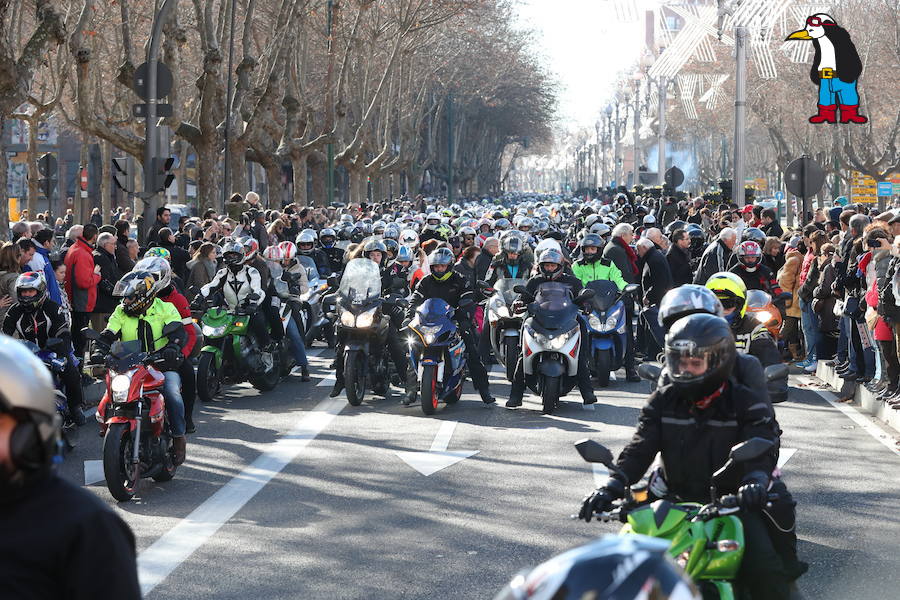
(809, 322)
(296, 341)
(174, 403)
(834, 91)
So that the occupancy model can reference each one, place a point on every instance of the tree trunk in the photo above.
(181, 175)
(274, 185)
(319, 183)
(82, 206)
(207, 177)
(238, 168)
(4, 175)
(298, 166)
(105, 192)
(31, 156)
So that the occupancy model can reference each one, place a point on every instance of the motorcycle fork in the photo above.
(136, 443)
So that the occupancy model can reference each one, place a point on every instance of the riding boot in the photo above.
(518, 386)
(412, 387)
(179, 446)
(338, 377)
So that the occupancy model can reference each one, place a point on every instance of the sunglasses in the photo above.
(817, 22)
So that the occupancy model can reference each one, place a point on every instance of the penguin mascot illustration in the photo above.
(835, 69)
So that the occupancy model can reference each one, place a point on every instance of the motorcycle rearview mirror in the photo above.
(776, 372)
(90, 333)
(750, 449)
(171, 328)
(519, 289)
(333, 281)
(585, 295)
(594, 452)
(631, 288)
(649, 372)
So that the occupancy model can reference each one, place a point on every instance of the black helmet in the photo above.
(392, 247)
(551, 256)
(591, 239)
(687, 300)
(671, 227)
(700, 354)
(27, 394)
(138, 290)
(624, 567)
(754, 234)
(32, 280)
(375, 246)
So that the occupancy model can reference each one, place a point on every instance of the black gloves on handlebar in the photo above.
(752, 494)
(601, 499)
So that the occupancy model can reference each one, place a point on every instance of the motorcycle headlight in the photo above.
(682, 559)
(366, 319)
(594, 322)
(210, 331)
(763, 316)
(612, 321)
(556, 343)
(119, 386)
(428, 332)
(347, 319)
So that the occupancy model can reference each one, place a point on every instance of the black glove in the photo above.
(752, 496)
(96, 358)
(601, 499)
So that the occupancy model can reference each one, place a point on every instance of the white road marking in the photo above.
(175, 546)
(438, 457)
(853, 414)
(785, 455)
(93, 472)
(314, 351)
(328, 380)
(601, 474)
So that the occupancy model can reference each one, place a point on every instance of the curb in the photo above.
(864, 400)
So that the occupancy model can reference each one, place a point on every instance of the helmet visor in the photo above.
(689, 362)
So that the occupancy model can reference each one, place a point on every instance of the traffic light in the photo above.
(47, 185)
(47, 167)
(120, 174)
(725, 186)
(162, 178)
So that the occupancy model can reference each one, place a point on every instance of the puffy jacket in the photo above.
(148, 327)
(656, 279)
(37, 326)
(602, 268)
(236, 287)
(81, 281)
(451, 291)
(715, 258)
(789, 280)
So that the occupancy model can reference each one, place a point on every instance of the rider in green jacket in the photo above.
(591, 266)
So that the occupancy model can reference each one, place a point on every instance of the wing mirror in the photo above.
(776, 372)
(649, 372)
(594, 452)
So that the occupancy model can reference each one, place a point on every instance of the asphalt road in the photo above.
(292, 495)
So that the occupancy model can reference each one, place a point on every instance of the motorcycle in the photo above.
(439, 354)
(706, 540)
(505, 323)
(313, 324)
(768, 311)
(363, 326)
(54, 357)
(551, 341)
(137, 441)
(607, 327)
(232, 353)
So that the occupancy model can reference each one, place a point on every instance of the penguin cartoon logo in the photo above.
(836, 68)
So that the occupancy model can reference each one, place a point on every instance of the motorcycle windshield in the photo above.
(758, 299)
(505, 287)
(554, 307)
(361, 281)
(124, 355)
(433, 311)
(605, 294)
(312, 272)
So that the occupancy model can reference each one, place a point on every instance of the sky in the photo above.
(586, 46)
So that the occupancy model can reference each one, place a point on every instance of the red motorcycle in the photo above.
(137, 442)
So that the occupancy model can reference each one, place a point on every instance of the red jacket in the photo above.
(81, 281)
(180, 302)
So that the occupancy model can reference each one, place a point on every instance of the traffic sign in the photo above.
(804, 177)
(47, 165)
(885, 188)
(164, 81)
(674, 177)
(863, 189)
(779, 195)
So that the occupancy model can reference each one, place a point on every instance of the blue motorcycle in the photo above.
(437, 353)
(54, 358)
(607, 328)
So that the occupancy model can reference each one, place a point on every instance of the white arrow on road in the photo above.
(438, 457)
(785, 455)
(93, 472)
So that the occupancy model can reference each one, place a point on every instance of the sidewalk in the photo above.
(863, 400)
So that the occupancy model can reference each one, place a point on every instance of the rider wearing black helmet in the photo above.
(335, 255)
(693, 422)
(451, 287)
(550, 268)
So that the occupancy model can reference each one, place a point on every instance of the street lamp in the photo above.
(607, 134)
(637, 126)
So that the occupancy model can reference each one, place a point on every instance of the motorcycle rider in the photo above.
(141, 315)
(509, 262)
(240, 285)
(335, 255)
(306, 245)
(692, 423)
(283, 284)
(550, 268)
(37, 318)
(755, 275)
(448, 285)
(53, 531)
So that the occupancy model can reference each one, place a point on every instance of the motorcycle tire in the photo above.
(267, 381)
(511, 357)
(168, 468)
(455, 396)
(428, 389)
(354, 378)
(117, 452)
(603, 363)
(209, 382)
(287, 359)
(550, 394)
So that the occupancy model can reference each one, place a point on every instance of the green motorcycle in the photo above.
(232, 354)
(706, 540)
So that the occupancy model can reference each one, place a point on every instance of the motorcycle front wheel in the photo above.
(603, 364)
(268, 379)
(355, 377)
(209, 381)
(168, 467)
(550, 394)
(120, 474)
(428, 387)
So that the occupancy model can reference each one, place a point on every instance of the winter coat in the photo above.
(823, 299)
(680, 265)
(789, 280)
(109, 276)
(715, 258)
(656, 278)
(81, 281)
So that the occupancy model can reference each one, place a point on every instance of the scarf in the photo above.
(632, 257)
